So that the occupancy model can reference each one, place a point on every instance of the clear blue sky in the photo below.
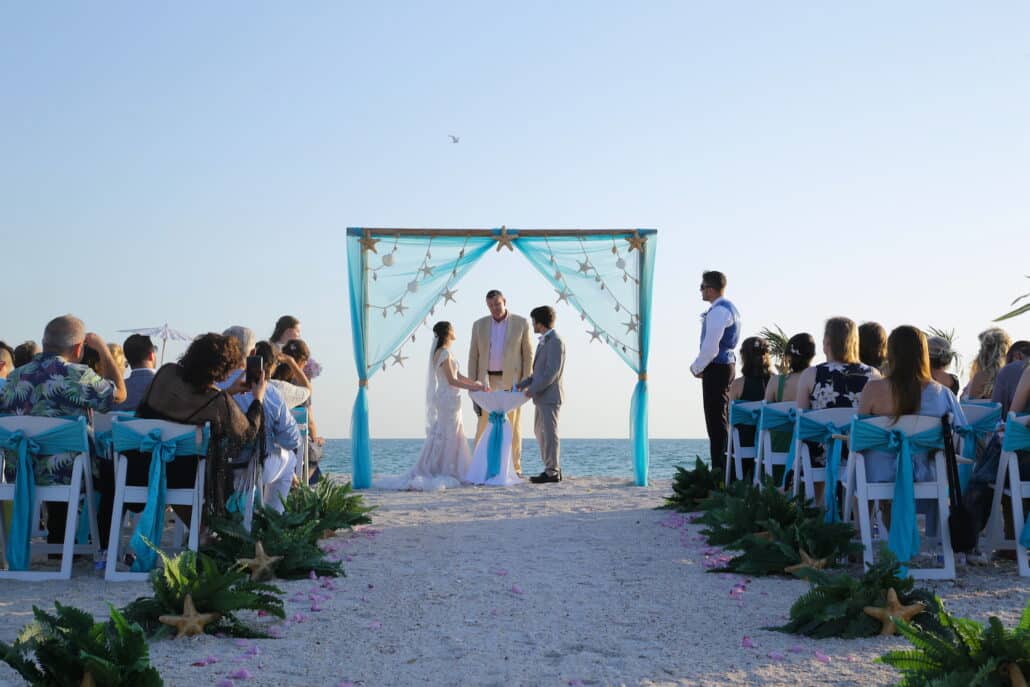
(198, 163)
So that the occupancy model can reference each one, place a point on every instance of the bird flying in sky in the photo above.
(454, 139)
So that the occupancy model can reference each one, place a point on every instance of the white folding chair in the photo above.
(1011, 483)
(804, 470)
(742, 413)
(192, 496)
(81, 484)
(774, 417)
(867, 494)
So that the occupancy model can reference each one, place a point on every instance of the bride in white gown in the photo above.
(445, 456)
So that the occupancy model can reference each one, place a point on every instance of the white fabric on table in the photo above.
(495, 402)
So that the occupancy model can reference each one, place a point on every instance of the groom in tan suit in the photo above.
(500, 355)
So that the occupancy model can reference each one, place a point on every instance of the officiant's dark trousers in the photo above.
(715, 391)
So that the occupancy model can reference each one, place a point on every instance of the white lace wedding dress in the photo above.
(445, 456)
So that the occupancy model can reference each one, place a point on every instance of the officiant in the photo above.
(499, 356)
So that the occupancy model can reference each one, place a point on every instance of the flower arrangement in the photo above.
(312, 368)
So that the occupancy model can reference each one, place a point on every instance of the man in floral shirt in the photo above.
(55, 384)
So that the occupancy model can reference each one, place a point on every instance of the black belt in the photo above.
(494, 374)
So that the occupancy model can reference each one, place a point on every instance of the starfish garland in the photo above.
(504, 239)
(448, 296)
(806, 562)
(399, 358)
(892, 610)
(190, 623)
(636, 242)
(563, 295)
(369, 243)
(261, 564)
(595, 334)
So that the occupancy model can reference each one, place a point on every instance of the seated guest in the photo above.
(754, 376)
(293, 371)
(6, 364)
(908, 389)
(55, 384)
(186, 392)
(872, 345)
(941, 356)
(798, 356)
(1021, 397)
(839, 381)
(25, 352)
(994, 346)
(118, 354)
(1008, 376)
(141, 354)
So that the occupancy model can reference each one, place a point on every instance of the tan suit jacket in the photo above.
(518, 351)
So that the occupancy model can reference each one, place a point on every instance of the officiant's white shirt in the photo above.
(498, 333)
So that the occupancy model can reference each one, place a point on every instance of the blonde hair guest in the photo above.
(838, 382)
(119, 357)
(994, 345)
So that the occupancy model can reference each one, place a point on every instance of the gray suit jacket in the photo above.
(545, 384)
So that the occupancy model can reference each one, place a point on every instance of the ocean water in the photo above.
(579, 457)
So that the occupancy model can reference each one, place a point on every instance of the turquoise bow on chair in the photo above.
(828, 434)
(1017, 438)
(744, 416)
(493, 449)
(983, 427)
(775, 420)
(66, 438)
(162, 451)
(903, 538)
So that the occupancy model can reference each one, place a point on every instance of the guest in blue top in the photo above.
(141, 354)
(720, 331)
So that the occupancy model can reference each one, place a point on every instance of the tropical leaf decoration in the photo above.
(745, 509)
(963, 653)
(292, 536)
(833, 607)
(777, 340)
(1018, 311)
(69, 649)
(779, 548)
(335, 506)
(691, 487)
(224, 590)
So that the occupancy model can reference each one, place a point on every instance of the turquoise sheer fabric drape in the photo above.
(69, 437)
(162, 451)
(608, 279)
(1017, 438)
(395, 283)
(903, 538)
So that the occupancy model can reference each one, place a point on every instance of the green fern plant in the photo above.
(780, 546)
(292, 536)
(335, 506)
(691, 487)
(1018, 311)
(70, 649)
(964, 654)
(777, 340)
(745, 509)
(833, 607)
(224, 590)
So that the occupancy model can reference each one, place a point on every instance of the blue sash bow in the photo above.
(744, 416)
(493, 449)
(69, 437)
(1017, 438)
(151, 520)
(774, 420)
(903, 538)
(823, 433)
(970, 433)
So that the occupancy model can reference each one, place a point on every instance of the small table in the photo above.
(491, 460)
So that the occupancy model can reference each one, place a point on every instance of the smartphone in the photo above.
(253, 368)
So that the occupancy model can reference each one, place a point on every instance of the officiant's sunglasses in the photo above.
(706, 286)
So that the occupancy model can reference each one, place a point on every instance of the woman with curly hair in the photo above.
(994, 345)
(755, 370)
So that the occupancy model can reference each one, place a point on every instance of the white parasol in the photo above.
(164, 332)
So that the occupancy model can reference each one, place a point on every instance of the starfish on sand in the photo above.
(806, 562)
(261, 564)
(190, 622)
(893, 610)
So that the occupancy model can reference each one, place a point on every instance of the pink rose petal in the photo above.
(226, 683)
(821, 657)
(312, 575)
(796, 649)
(375, 625)
(501, 572)
(746, 643)
(241, 674)
(776, 656)
(315, 608)
(516, 589)
(252, 651)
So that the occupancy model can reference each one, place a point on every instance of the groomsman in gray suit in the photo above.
(544, 386)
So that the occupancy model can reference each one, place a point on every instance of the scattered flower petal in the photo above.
(746, 643)
(796, 649)
(516, 589)
(777, 656)
(821, 657)
(375, 625)
(241, 674)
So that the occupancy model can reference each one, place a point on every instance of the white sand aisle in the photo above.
(581, 582)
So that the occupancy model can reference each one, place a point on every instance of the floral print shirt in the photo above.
(838, 385)
(50, 386)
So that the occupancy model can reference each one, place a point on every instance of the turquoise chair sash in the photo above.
(493, 449)
(66, 438)
(1017, 438)
(300, 415)
(983, 427)
(903, 538)
(151, 520)
(774, 420)
(808, 429)
(744, 416)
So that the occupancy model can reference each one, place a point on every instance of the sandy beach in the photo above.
(577, 583)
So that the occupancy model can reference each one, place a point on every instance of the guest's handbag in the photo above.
(961, 524)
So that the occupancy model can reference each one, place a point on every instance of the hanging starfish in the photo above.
(630, 326)
(563, 295)
(595, 334)
(399, 358)
(504, 239)
(892, 610)
(585, 266)
(557, 275)
(806, 562)
(190, 623)
(87, 680)
(764, 535)
(261, 564)
(369, 243)
(399, 308)
(426, 270)
(636, 242)
(448, 295)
